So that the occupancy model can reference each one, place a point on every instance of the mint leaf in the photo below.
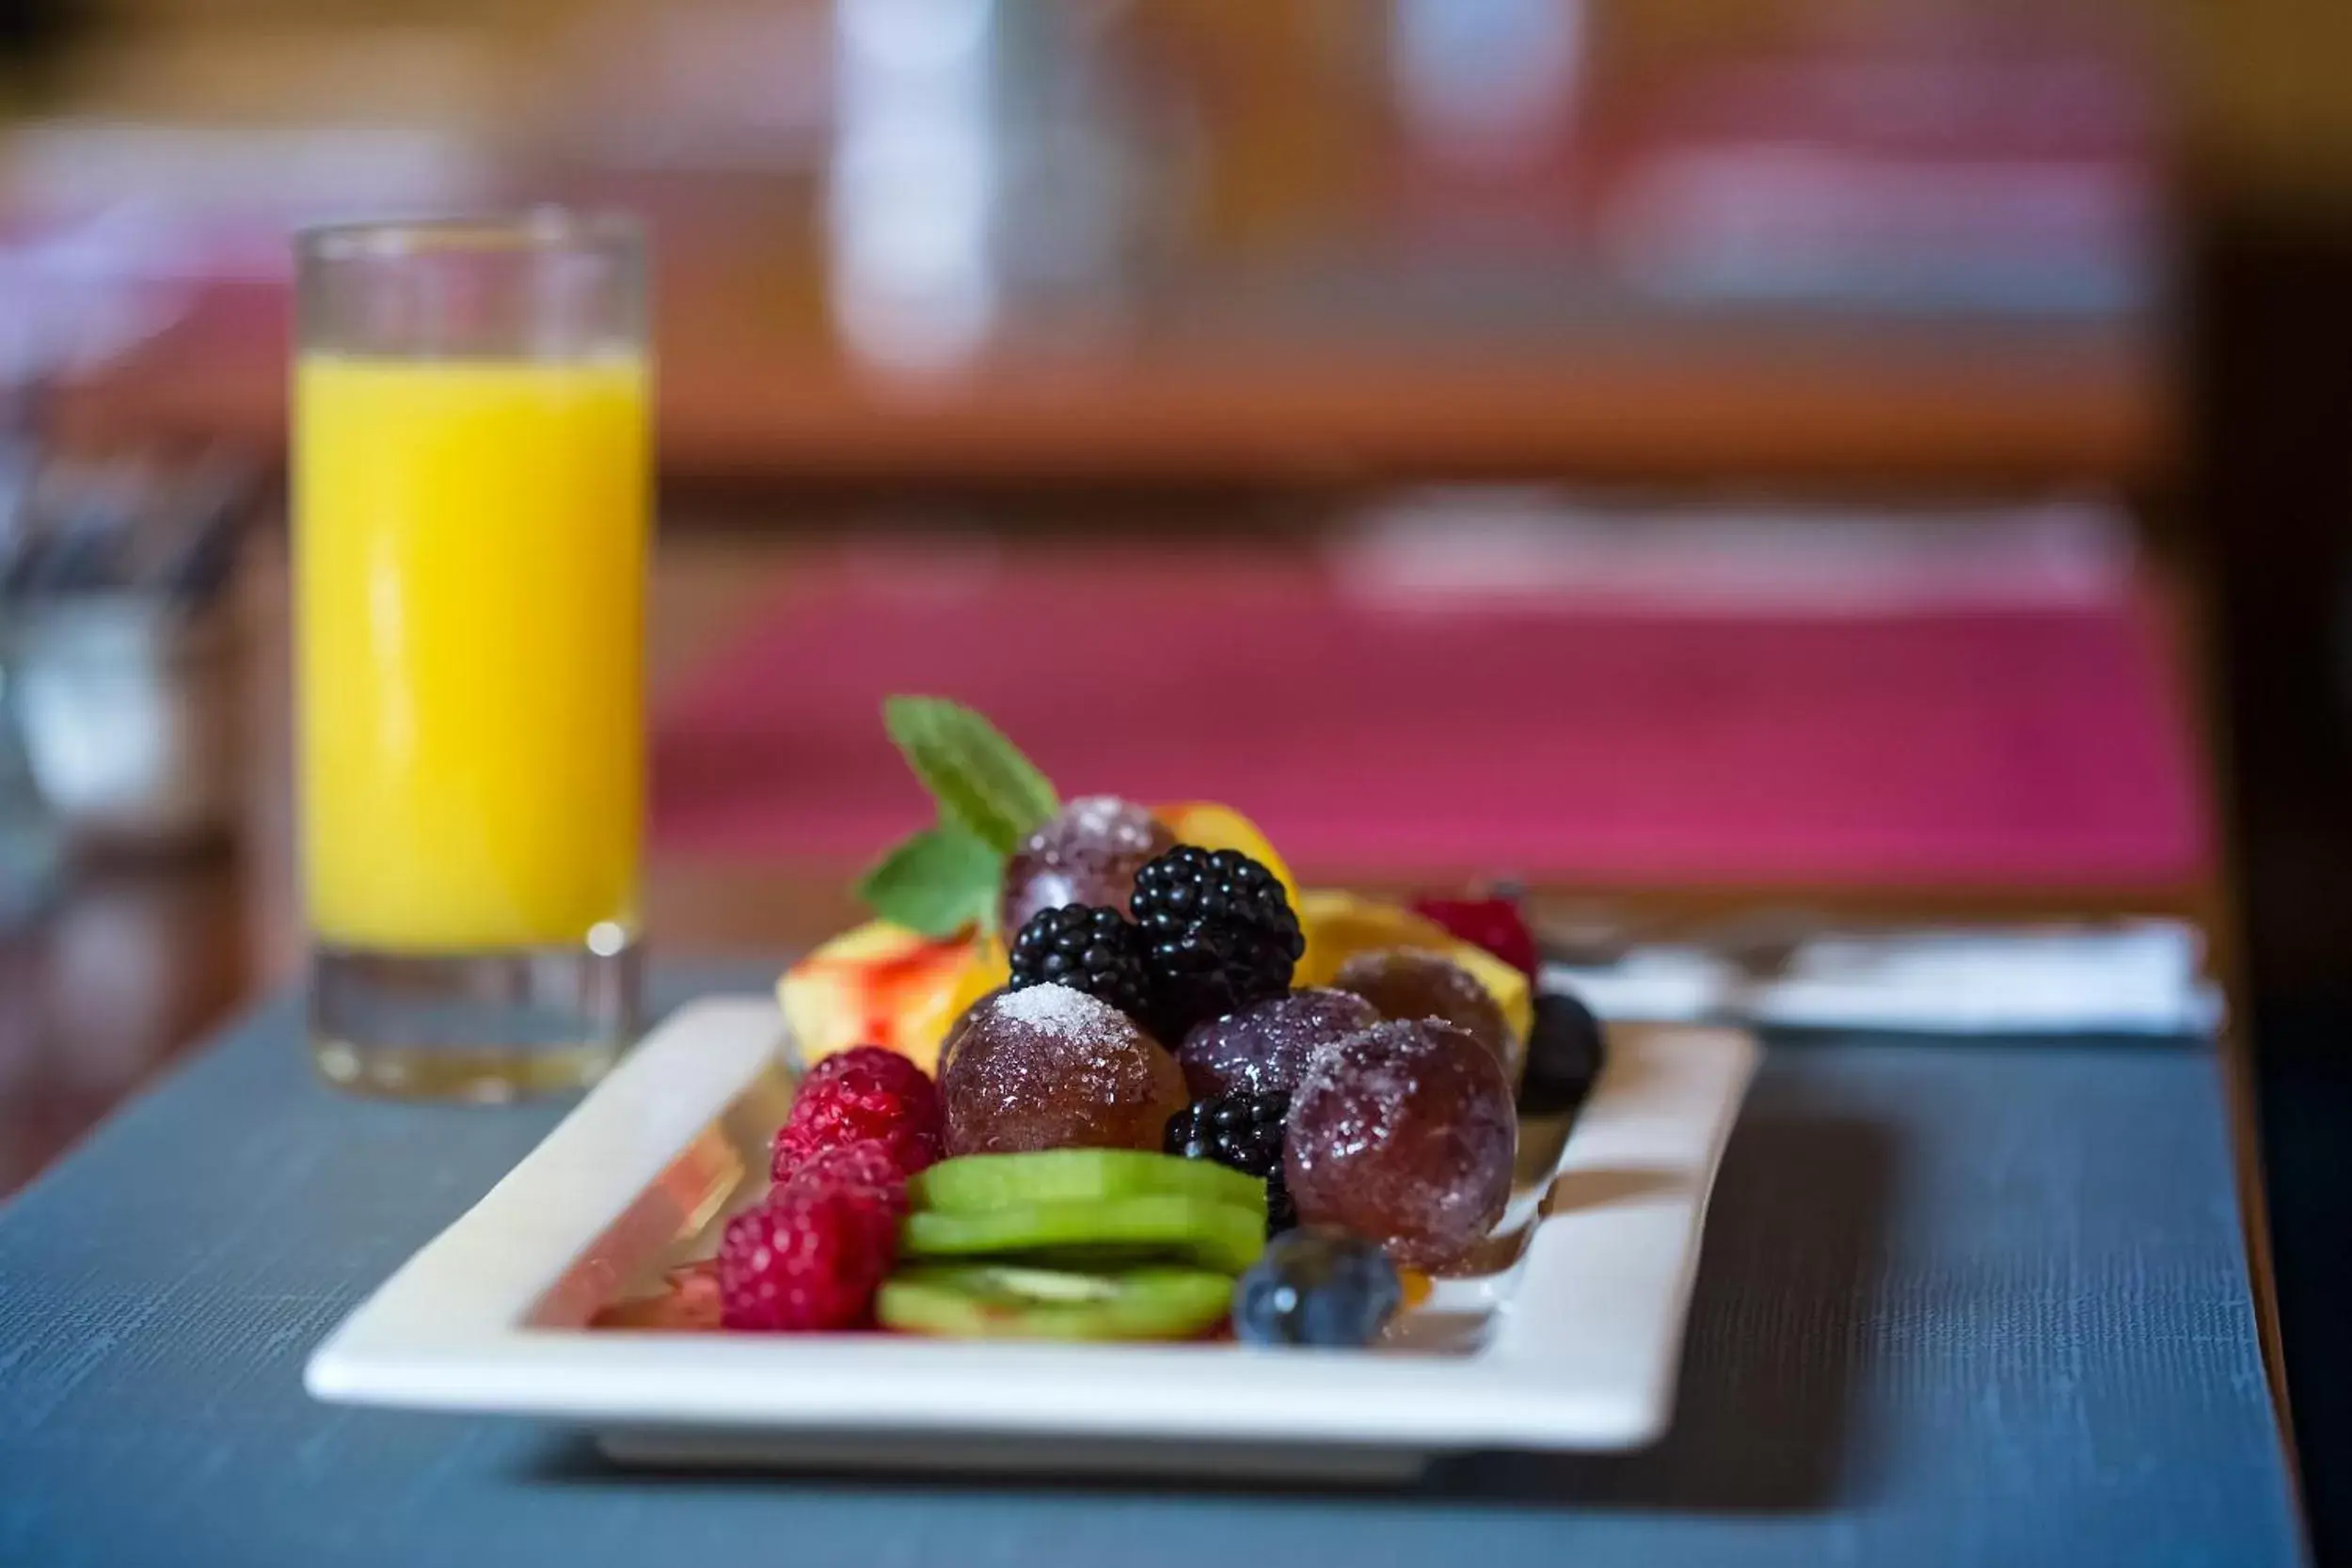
(982, 783)
(936, 883)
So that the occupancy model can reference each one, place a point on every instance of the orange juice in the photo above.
(470, 581)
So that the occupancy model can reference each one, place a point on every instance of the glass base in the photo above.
(486, 1027)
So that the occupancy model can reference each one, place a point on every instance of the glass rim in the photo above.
(532, 231)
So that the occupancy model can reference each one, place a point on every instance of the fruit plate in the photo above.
(1568, 1337)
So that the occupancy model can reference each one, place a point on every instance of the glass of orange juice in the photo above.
(471, 498)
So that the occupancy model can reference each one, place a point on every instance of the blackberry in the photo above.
(1218, 934)
(1280, 1213)
(1087, 948)
(1242, 1131)
(1245, 1132)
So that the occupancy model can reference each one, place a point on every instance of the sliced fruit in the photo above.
(977, 1184)
(880, 984)
(1212, 825)
(1339, 925)
(989, 1301)
(984, 971)
(1227, 1236)
(1408, 982)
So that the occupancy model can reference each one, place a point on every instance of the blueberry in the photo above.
(1563, 1056)
(1317, 1286)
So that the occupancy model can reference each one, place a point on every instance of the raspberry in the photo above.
(870, 1166)
(869, 1063)
(806, 1262)
(861, 1095)
(1493, 923)
(905, 1148)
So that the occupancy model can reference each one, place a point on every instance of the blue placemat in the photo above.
(1959, 1304)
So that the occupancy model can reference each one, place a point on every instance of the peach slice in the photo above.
(880, 984)
(987, 970)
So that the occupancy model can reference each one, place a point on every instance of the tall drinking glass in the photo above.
(471, 498)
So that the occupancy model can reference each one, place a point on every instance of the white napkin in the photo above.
(2144, 977)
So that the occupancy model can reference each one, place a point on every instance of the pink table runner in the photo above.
(1552, 736)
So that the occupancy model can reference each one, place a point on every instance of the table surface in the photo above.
(1958, 1304)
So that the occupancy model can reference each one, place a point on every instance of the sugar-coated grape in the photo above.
(954, 1038)
(1265, 1047)
(1403, 1133)
(1406, 983)
(1047, 1066)
(1088, 854)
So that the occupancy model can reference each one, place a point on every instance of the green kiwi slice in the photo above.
(975, 1183)
(1223, 1236)
(993, 1301)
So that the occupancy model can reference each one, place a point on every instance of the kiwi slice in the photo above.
(992, 1301)
(976, 1183)
(1223, 1236)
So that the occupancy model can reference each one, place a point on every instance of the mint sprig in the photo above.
(989, 796)
(980, 780)
(936, 882)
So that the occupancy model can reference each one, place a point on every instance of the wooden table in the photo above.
(750, 394)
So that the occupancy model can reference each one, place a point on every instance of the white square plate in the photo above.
(1570, 1339)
